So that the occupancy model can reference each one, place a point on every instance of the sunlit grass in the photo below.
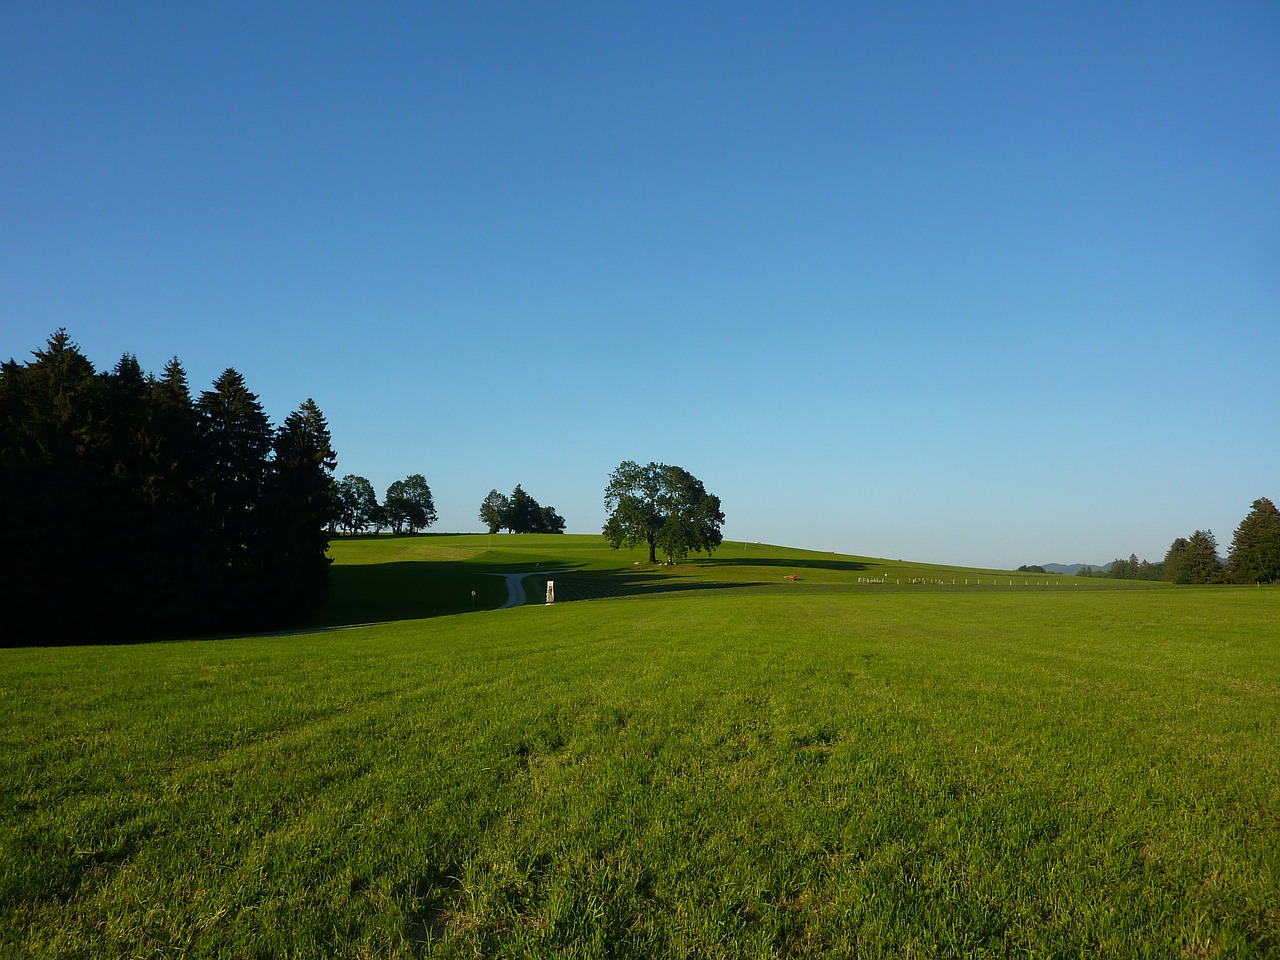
(793, 769)
(397, 578)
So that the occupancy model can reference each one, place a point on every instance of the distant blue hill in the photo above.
(1073, 568)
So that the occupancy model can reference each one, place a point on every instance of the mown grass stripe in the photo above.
(738, 773)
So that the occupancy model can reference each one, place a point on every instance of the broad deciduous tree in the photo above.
(549, 521)
(662, 506)
(493, 510)
(357, 505)
(408, 504)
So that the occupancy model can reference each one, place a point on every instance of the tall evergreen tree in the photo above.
(522, 512)
(1255, 547)
(1194, 559)
(1173, 561)
(186, 556)
(142, 513)
(237, 436)
(302, 506)
(140, 579)
(176, 441)
(53, 491)
(126, 432)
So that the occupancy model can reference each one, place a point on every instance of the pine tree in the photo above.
(522, 512)
(237, 438)
(1255, 548)
(142, 513)
(52, 487)
(1197, 560)
(302, 502)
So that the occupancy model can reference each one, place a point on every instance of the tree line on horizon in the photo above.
(518, 513)
(663, 507)
(136, 509)
(407, 506)
(1254, 556)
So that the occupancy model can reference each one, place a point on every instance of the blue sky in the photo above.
(991, 283)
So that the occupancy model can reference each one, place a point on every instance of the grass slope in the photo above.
(397, 578)
(807, 768)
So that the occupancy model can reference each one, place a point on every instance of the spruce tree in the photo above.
(236, 437)
(1255, 548)
(302, 503)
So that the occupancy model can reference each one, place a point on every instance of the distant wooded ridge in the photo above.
(1254, 556)
(1065, 569)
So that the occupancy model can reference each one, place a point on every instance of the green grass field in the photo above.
(708, 760)
(396, 578)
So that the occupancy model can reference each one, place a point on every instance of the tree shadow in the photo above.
(419, 589)
(601, 585)
(515, 566)
(806, 563)
(409, 590)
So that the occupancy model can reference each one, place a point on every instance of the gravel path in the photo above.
(515, 589)
(515, 586)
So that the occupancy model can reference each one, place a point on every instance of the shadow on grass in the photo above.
(409, 590)
(418, 589)
(600, 585)
(432, 896)
(766, 561)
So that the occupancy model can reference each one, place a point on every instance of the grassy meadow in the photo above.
(705, 760)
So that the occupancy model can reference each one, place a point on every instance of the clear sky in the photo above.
(988, 283)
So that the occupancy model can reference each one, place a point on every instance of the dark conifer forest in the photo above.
(135, 510)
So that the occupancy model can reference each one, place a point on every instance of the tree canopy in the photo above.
(1255, 547)
(1193, 559)
(142, 512)
(493, 510)
(357, 506)
(408, 504)
(518, 513)
(1134, 569)
(662, 506)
